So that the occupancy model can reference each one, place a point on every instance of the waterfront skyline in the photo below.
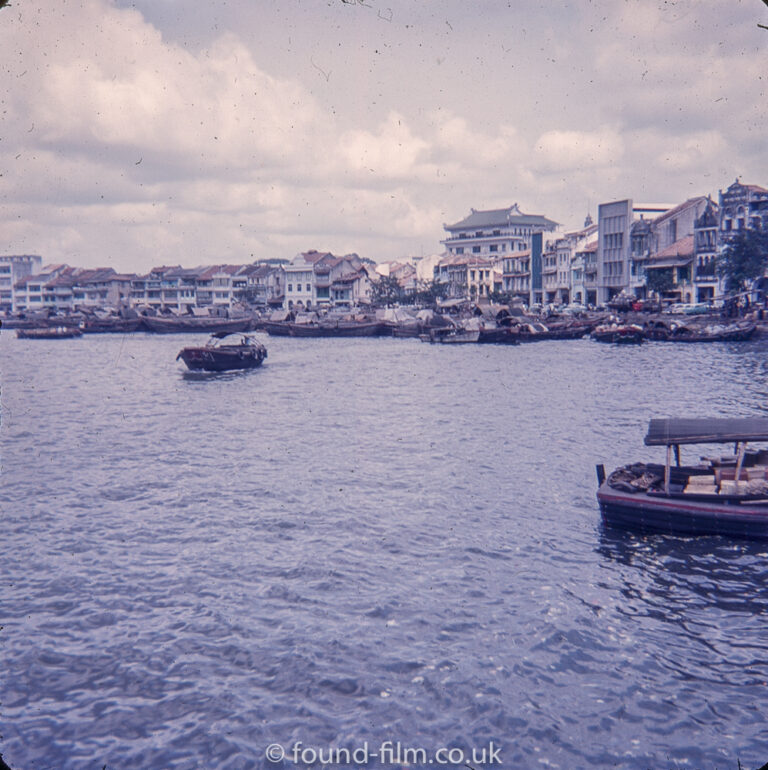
(135, 135)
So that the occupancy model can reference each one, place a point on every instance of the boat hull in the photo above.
(49, 333)
(112, 325)
(202, 359)
(373, 329)
(197, 325)
(620, 336)
(649, 513)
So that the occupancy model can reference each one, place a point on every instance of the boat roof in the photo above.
(706, 430)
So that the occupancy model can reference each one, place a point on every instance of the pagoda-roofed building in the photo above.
(496, 232)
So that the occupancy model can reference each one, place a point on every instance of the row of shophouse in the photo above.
(488, 253)
(507, 251)
(311, 279)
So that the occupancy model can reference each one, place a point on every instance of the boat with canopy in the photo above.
(721, 494)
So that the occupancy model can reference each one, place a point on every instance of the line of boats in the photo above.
(75, 326)
(661, 331)
(491, 325)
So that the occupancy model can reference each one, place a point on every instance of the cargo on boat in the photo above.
(674, 332)
(224, 352)
(619, 334)
(718, 495)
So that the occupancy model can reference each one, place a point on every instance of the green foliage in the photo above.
(744, 259)
(428, 292)
(386, 291)
(659, 280)
(500, 297)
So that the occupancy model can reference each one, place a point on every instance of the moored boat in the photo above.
(340, 328)
(735, 332)
(49, 333)
(210, 325)
(224, 352)
(723, 495)
(536, 331)
(619, 334)
(112, 325)
(456, 336)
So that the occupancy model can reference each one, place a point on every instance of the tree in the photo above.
(659, 280)
(428, 292)
(386, 290)
(744, 259)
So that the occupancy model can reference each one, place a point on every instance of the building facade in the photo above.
(494, 233)
(13, 269)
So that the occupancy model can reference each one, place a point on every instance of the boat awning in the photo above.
(669, 431)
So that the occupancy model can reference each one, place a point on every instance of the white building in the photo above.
(495, 233)
(13, 268)
(300, 281)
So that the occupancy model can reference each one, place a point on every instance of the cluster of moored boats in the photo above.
(661, 331)
(494, 325)
(79, 324)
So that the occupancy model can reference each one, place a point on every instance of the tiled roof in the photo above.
(313, 256)
(681, 248)
(183, 272)
(464, 259)
(680, 207)
(501, 217)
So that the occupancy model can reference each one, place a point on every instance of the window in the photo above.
(290, 287)
(475, 249)
(494, 247)
(309, 287)
(459, 250)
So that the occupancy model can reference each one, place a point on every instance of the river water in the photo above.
(365, 541)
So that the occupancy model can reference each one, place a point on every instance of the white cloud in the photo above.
(392, 153)
(201, 139)
(566, 151)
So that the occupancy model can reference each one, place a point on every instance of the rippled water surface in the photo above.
(365, 540)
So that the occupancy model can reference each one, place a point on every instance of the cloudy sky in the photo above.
(152, 132)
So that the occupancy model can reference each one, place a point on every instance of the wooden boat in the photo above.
(452, 336)
(498, 335)
(222, 354)
(718, 496)
(340, 328)
(619, 334)
(276, 328)
(49, 333)
(737, 332)
(538, 332)
(112, 325)
(211, 325)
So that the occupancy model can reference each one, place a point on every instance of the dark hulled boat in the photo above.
(112, 325)
(736, 332)
(49, 333)
(720, 496)
(209, 325)
(619, 334)
(340, 328)
(222, 354)
(538, 332)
